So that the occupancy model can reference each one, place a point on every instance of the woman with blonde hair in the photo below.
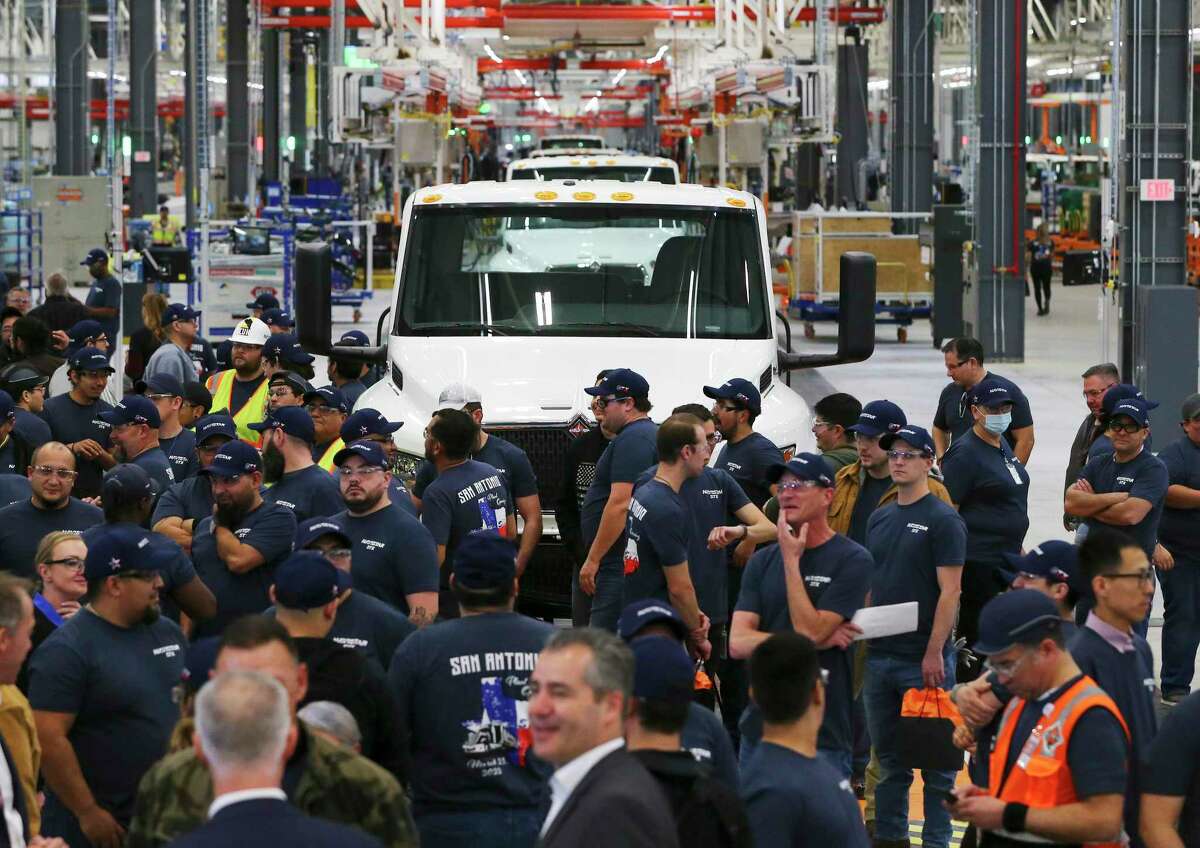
(145, 340)
(61, 586)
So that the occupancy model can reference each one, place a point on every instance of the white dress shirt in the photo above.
(566, 778)
(230, 798)
(9, 786)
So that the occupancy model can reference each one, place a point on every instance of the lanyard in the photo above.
(39, 601)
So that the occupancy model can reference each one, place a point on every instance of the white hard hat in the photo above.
(459, 394)
(250, 331)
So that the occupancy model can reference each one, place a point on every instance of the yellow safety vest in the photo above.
(254, 410)
(326, 460)
(164, 235)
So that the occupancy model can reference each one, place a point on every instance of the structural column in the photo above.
(911, 116)
(1157, 355)
(238, 131)
(143, 106)
(297, 98)
(270, 110)
(851, 123)
(996, 311)
(70, 88)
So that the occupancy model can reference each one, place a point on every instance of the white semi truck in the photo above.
(526, 289)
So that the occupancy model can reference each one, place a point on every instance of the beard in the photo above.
(231, 515)
(272, 463)
(368, 503)
(150, 616)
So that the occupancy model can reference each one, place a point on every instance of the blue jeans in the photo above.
(503, 827)
(1181, 625)
(888, 678)
(606, 603)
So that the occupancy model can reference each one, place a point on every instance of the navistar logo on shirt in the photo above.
(917, 528)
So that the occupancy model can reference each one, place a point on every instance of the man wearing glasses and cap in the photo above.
(369, 425)
(919, 546)
(1058, 769)
(28, 390)
(283, 353)
(172, 357)
(296, 481)
(176, 441)
(327, 408)
(135, 422)
(74, 418)
(964, 367)
(104, 297)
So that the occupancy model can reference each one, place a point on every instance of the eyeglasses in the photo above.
(1008, 668)
(729, 408)
(161, 397)
(1146, 575)
(820, 425)
(954, 365)
(337, 553)
(60, 473)
(362, 471)
(1055, 573)
(314, 409)
(1095, 393)
(597, 405)
(605, 401)
(799, 485)
(68, 562)
(1118, 427)
(904, 455)
(282, 392)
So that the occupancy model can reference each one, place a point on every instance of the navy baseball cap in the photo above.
(306, 580)
(264, 301)
(879, 417)
(234, 459)
(484, 560)
(278, 318)
(8, 409)
(83, 330)
(133, 409)
(127, 483)
(96, 254)
(290, 378)
(292, 420)
(161, 383)
(1056, 560)
(371, 452)
(90, 359)
(117, 548)
(621, 383)
(1017, 617)
(197, 394)
(201, 660)
(354, 338)
(332, 397)
(641, 614)
(910, 434)
(1120, 392)
(216, 424)
(806, 466)
(738, 389)
(1135, 408)
(989, 392)
(314, 528)
(179, 312)
(367, 422)
(662, 670)
(285, 347)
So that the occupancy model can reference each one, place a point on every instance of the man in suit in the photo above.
(245, 735)
(599, 794)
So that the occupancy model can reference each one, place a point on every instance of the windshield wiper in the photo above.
(466, 327)
(623, 328)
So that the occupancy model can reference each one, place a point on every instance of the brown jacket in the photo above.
(20, 735)
(848, 483)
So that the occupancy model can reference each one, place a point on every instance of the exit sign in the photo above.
(1157, 190)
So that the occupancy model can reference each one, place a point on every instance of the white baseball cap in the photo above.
(459, 394)
(250, 331)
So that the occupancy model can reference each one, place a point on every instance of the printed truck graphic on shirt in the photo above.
(488, 494)
(502, 729)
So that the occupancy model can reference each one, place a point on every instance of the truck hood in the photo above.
(540, 381)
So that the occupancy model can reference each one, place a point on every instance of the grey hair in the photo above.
(334, 719)
(611, 668)
(56, 283)
(12, 608)
(242, 719)
(1104, 369)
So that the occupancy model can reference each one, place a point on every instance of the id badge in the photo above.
(1012, 470)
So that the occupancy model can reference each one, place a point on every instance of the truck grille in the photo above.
(546, 448)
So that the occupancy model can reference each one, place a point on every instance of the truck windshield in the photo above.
(675, 272)
(621, 173)
(571, 143)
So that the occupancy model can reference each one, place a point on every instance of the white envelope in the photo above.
(890, 620)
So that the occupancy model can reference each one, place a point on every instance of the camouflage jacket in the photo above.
(336, 785)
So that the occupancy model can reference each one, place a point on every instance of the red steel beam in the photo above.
(847, 14)
(558, 12)
(314, 22)
(486, 66)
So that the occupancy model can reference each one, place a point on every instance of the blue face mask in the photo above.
(997, 424)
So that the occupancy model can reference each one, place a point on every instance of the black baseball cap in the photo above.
(738, 389)
(96, 254)
(8, 408)
(621, 383)
(264, 301)
(312, 529)
(806, 466)
(291, 378)
(292, 420)
(306, 580)
(641, 614)
(1017, 617)
(485, 560)
(879, 417)
(196, 393)
(22, 378)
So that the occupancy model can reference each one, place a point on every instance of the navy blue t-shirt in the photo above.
(991, 488)
(351, 391)
(711, 498)
(909, 544)
(1172, 765)
(870, 493)
(836, 576)
(13, 488)
(8, 457)
(657, 535)
(462, 690)
(631, 452)
(268, 529)
(311, 492)
(181, 451)
(71, 422)
(393, 555)
(399, 495)
(188, 499)
(157, 467)
(706, 739)
(794, 801)
(1179, 529)
(466, 497)
(176, 571)
(512, 463)
(106, 292)
(954, 409)
(22, 527)
(120, 684)
(1144, 477)
(369, 626)
(747, 462)
(32, 428)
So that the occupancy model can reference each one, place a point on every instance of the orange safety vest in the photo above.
(1041, 777)
(252, 412)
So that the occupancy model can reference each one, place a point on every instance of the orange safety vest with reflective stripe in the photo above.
(326, 460)
(1041, 776)
(252, 412)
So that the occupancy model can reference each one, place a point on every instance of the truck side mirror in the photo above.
(313, 303)
(856, 317)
